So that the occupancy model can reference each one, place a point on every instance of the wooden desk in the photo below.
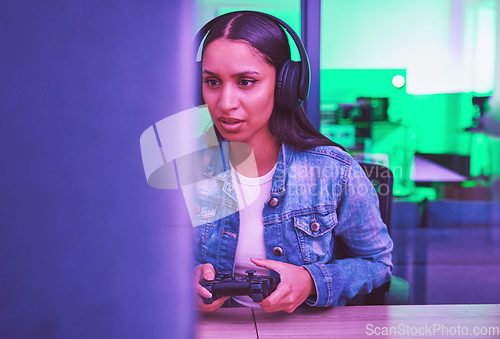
(227, 323)
(353, 322)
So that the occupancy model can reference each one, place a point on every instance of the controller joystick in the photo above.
(258, 287)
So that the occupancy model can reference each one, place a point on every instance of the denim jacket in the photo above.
(322, 213)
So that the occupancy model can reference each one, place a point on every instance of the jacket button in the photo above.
(273, 202)
(314, 226)
(277, 251)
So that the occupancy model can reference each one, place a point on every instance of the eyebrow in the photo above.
(234, 75)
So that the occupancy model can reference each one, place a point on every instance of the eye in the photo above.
(211, 82)
(247, 82)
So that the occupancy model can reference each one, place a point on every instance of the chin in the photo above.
(233, 138)
(229, 136)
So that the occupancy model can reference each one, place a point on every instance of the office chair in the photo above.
(395, 291)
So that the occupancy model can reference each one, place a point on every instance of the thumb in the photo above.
(208, 272)
(267, 263)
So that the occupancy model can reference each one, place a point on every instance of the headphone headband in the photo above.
(304, 79)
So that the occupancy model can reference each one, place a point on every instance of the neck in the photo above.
(254, 161)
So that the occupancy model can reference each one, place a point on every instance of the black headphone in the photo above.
(292, 80)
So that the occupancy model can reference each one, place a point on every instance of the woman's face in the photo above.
(238, 88)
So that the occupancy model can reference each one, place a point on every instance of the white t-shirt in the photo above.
(252, 194)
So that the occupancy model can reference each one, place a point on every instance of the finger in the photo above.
(275, 298)
(201, 269)
(202, 291)
(288, 308)
(260, 262)
(284, 304)
(208, 272)
(205, 271)
(271, 264)
(211, 307)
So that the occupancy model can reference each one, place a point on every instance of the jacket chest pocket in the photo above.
(315, 236)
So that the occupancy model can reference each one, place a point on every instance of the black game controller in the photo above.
(258, 287)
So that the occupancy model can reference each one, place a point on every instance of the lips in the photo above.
(230, 120)
(231, 124)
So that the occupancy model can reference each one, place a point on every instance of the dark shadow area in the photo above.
(88, 249)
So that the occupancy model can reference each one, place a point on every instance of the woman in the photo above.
(306, 210)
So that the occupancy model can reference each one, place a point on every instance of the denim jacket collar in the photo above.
(284, 159)
(219, 169)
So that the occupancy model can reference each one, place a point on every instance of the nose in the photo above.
(228, 99)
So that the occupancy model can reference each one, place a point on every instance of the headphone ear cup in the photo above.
(287, 86)
(198, 83)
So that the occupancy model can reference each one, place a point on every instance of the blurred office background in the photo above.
(411, 85)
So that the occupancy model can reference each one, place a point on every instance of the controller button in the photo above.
(273, 202)
(250, 273)
(257, 298)
(277, 251)
(314, 226)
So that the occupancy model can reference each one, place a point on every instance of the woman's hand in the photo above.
(295, 286)
(207, 272)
